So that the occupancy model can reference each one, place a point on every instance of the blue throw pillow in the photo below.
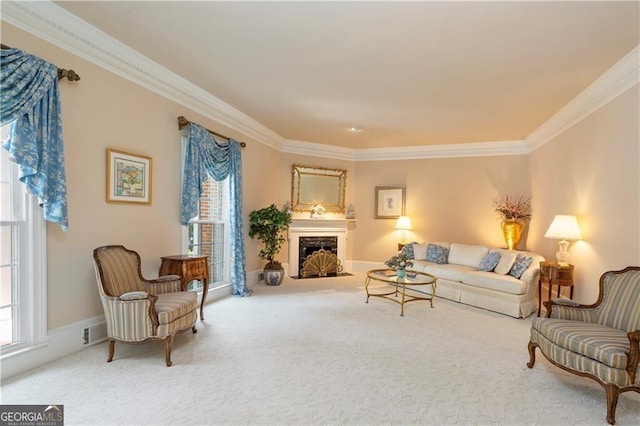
(520, 265)
(490, 261)
(408, 250)
(437, 254)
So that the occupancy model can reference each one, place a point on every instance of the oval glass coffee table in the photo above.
(413, 278)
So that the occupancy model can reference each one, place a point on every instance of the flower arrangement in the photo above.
(399, 261)
(507, 208)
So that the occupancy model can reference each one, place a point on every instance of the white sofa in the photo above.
(497, 289)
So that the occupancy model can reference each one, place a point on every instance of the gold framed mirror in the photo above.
(312, 186)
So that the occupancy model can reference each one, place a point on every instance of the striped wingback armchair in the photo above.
(136, 309)
(599, 341)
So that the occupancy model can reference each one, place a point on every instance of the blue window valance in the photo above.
(30, 102)
(204, 157)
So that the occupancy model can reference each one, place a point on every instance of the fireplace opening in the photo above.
(311, 245)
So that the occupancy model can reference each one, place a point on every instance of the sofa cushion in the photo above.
(172, 306)
(418, 265)
(520, 265)
(489, 262)
(506, 262)
(493, 281)
(604, 344)
(463, 254)
(437, 254)
(447, 271)
(420, 251)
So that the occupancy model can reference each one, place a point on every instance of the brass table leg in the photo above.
(366, 288)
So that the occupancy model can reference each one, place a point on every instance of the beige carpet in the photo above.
(312, 352)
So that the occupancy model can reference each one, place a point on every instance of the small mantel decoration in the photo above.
(400, 262)
(513, 214)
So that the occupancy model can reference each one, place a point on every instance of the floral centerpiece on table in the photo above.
(399, 262)
(510, 209)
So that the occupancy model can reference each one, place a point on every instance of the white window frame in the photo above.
(31, 277)
(226, 281)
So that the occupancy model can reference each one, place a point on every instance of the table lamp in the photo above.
(404, 225)
(563, 228)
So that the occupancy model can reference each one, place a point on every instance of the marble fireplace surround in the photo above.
(315, 228)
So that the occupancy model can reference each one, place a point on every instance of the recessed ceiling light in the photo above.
(356, 129)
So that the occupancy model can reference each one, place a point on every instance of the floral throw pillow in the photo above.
(408, 250)
(490, 261)
(520, 265)
(437, 254)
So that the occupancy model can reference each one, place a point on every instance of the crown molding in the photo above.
(59, 27)
(290, 146)
(475, 149)
(51, 23)
(618, 79)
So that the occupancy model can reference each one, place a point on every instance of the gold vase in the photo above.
(512, 231)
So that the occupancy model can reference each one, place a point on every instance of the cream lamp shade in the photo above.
(563, 228)
(403, 225)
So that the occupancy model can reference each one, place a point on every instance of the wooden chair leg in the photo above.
(532, 354)
(612, 400)
(112, 348)
(168, 341)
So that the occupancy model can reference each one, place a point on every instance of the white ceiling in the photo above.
(408, 73)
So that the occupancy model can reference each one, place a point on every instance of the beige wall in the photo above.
(591, 171)
(447, 200)
(104, 110)
(261, 188)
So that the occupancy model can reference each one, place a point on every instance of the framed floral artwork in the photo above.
(389, 202)
(128, 177)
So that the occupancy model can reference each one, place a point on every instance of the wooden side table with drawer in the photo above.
(553, 273)
(189, 268)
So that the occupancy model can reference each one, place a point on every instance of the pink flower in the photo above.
(507, 208)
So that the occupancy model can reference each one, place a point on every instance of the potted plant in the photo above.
(400, 262)
(268, 225)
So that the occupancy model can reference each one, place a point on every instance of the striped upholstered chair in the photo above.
(137, 310)
(599, 341)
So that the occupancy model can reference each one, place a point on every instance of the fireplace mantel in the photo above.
(320, 223)
(316, 228)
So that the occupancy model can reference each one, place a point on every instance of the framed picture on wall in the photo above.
(389, 202)
(128, 177)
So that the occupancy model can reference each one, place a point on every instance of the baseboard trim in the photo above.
(60, 342)
(68, 339)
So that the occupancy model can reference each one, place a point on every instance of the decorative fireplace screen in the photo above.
(318, 257)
